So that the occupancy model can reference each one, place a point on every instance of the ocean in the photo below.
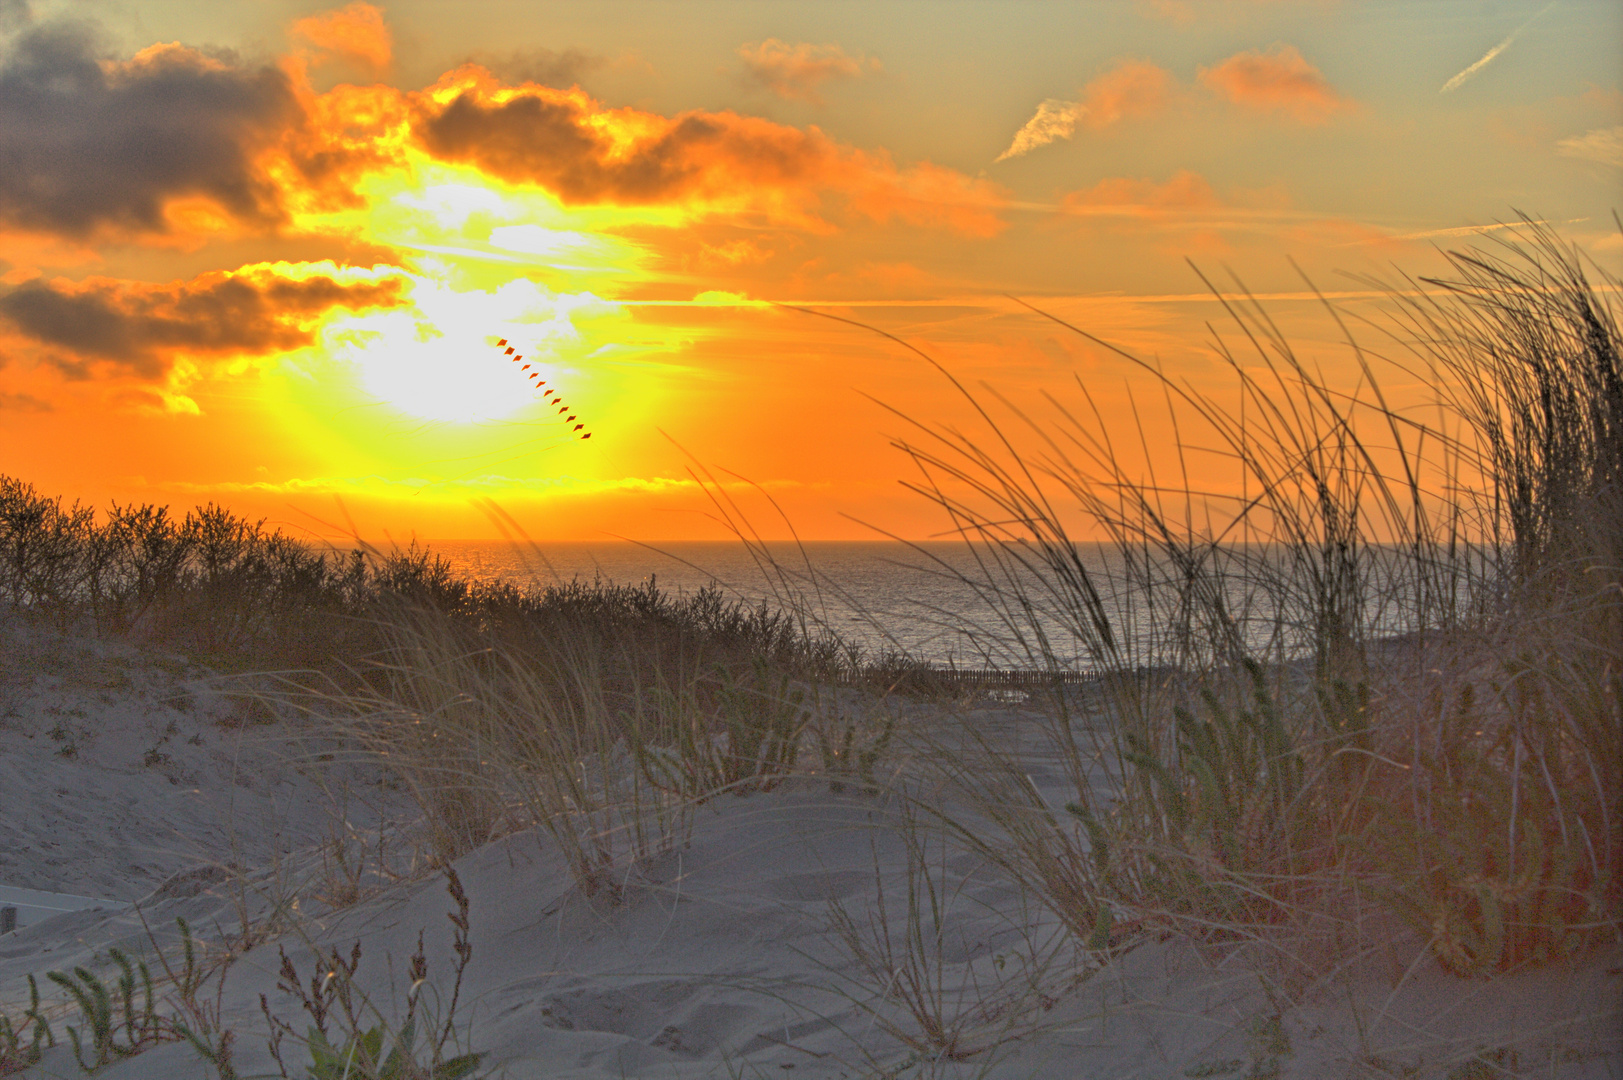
(941, 605)
(879, 595)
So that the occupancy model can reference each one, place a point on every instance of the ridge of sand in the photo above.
(717, 960)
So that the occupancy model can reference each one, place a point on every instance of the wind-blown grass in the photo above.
(1376, 669)
(596, 710)
(1381, 664)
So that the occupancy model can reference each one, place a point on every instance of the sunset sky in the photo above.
(262, 254)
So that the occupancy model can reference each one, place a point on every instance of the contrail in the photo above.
(1489, 56)
(1055, 119)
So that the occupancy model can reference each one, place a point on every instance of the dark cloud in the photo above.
(23, 403)
(143, 327)
(565, 142)
(83, 146)
(544, 139)
(549, 67)
(14, 13)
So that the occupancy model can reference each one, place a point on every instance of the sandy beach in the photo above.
(733, 539)
(130, 776)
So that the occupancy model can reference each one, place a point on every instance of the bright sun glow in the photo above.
(437, 358)
(286, 278)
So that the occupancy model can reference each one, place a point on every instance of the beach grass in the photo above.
(1365, 672)
(1381, 666)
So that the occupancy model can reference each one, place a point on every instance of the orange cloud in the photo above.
(347, 132)
(1131, 197)
(357, 33)
(143, 328)
(584, 153)
(1280, 81)
(174, 146)
(1132, 88)
(796, 71)
(926, 195)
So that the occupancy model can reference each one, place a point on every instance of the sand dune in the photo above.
(718, 958)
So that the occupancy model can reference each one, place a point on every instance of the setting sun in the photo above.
(296, 295)
(951, 540)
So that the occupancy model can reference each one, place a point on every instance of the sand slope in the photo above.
(714, 959)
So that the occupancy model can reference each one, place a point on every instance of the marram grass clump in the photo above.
(1377, 667)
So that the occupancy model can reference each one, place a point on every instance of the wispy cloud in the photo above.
(357, 33)
(1378, 235)
(27, 403)
(1604, 145)
(1126, 196)
(797, 71)
(1131, 88)
(1492, 54)
(1055, 120)
(1461, 230)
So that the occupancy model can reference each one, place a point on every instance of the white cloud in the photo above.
(1055, 120)
(1492, 54)
(1132, 88)
(1604, 145)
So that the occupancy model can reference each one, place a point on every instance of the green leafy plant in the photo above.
(362, 1057)
(121, 1020)
(21, 1044)
(124, 1017)
(199, 1023)
(348, 1037)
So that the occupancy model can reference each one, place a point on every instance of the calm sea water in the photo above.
(939, 604)
(874, 593)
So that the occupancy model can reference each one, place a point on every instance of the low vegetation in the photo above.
(1377, 666)
(166, 998)
(230, 591)
(1368, 669)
